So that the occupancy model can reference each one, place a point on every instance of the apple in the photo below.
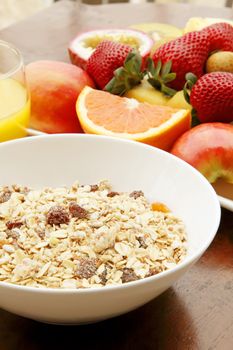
(54, 87)
(209, 148)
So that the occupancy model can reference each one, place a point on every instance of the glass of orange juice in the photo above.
(14, 96)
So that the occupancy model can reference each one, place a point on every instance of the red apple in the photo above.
(209, 148)
(54, 88)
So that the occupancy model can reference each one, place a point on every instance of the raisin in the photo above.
(57, 215)
(5, 196)
(129, 275)
(142, 242)
(94, 188)
(112, 194)
(13, 224)
(77, 211)
(136, 194)
(86, 267)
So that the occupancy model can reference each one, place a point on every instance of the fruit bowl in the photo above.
(57, 160)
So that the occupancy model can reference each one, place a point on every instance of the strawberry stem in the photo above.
(191, 79)
(195, 120)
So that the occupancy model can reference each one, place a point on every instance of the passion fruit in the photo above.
(81, 47)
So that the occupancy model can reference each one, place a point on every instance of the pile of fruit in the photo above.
(152, 83)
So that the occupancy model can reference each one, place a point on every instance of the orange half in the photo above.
(102, 113)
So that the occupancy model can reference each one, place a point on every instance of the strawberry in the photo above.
(187, 53)
(190, 52)
(212, 97)
(107, 57)
(220, 36)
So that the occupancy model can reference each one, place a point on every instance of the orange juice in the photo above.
(14, 109)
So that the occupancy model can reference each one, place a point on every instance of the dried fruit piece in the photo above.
(94, 188)
(77, 211)
(136, 194)
(87, 267)
(156, 206)
(103, 277)
(13, 224)
(153, 271)
(129, 275)
(5, 196)
(113, 194)
(142, 242)
(57, 215)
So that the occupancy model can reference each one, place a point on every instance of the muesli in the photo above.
(85, 236)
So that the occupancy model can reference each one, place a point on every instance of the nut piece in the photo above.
(57, 215)
(136, 194)
(13, 224)
(86, 267)
(128, 275)
(113, 194)
(77, 211)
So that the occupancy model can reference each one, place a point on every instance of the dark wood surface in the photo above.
(197, 313)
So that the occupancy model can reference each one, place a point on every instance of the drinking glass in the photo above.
(14, 96)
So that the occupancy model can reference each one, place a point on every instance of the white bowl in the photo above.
(57, 160)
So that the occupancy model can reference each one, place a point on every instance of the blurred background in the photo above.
(12, 11)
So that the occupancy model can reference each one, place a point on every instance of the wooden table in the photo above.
(197, 313)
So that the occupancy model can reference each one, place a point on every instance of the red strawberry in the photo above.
(212, 97)
(107, 57)
(187, 53)
(220, 36)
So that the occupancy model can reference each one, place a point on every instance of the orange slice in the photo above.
(102, 113)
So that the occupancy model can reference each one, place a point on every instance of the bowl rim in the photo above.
(188, 260)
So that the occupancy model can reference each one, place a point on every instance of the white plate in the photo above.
(224, 190)
(225, 194)
(33, 132)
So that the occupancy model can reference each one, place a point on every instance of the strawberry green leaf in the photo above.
(132, 62)
(158, 68)
(169, 77)
(150, 66)
(160, 75)
(155, 83)
(168, 91)
(128, 76)
(166, 68)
